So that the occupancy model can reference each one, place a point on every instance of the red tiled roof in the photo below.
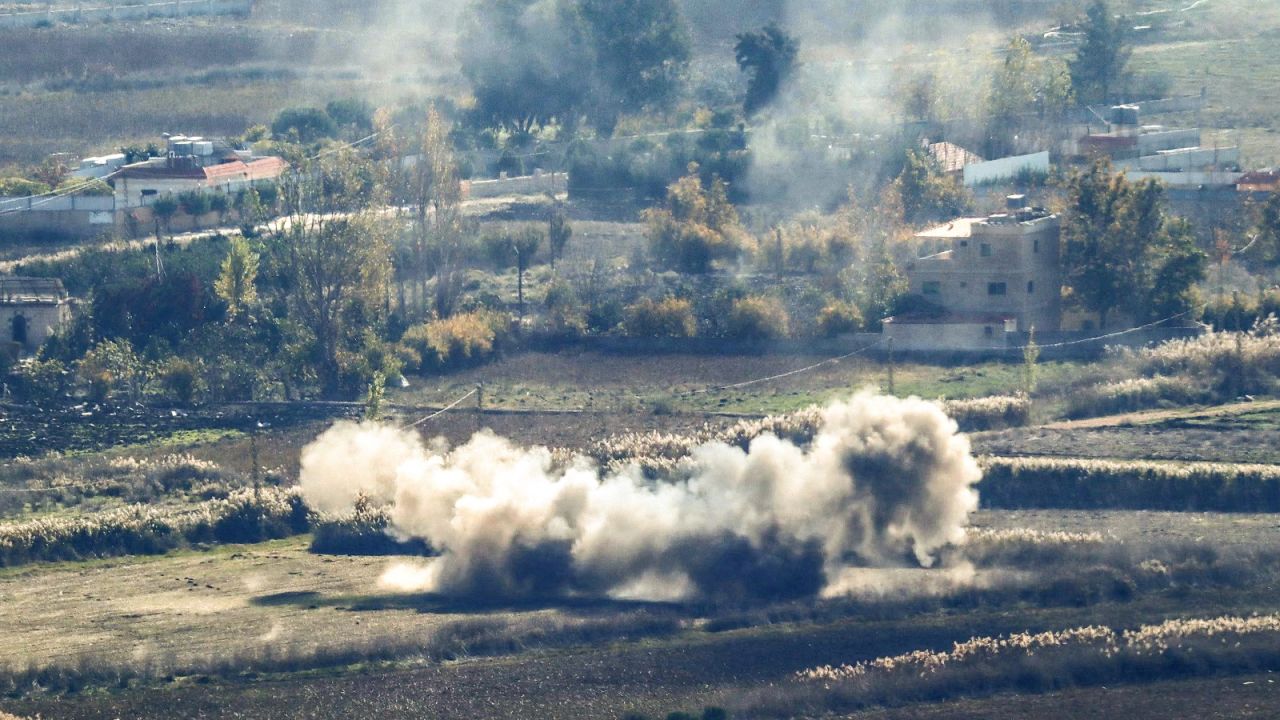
(260, 169)
(1260, 177)
(952, 157)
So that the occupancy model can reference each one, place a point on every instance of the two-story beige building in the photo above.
(987, 277)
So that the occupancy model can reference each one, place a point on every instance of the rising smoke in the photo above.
(885, 483)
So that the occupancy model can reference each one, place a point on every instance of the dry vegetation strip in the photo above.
(1089, 655)
(1037, 482)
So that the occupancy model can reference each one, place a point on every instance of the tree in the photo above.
(433, 189)
(927, 194)
(235, 284)
(194, 203)
(770, 56)
(1101, 58)
(1121, 252)
(697, 227)
(355, 117)
(303, 125)
(1264, 241)
(525, 60)
(164, 208)
(559, 231)
(516, 249)
(639, 52)
(329, 259)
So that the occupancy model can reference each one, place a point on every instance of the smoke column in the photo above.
(885, 482)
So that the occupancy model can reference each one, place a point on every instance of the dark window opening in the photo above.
(149, 193)
(964, 243)
(931, 287)
(985, 251)
(1035, 245)
(986, 330)
(1031, 286)
(997, 288)
(20, 330)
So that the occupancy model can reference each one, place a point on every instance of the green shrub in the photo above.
(21, 187)
(669, 317)
(458, 340)
(839, 318)
(181, 379)
(757, 318)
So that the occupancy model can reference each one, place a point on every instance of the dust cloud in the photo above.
(886, 482)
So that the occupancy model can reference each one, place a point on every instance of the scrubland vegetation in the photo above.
(724, 191)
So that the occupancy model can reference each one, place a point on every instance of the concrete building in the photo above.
(192, 164)
(31, 309)
(143, 183)
(1173, 156)
(987, 277)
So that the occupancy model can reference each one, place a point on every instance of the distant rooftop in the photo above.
(31, 291)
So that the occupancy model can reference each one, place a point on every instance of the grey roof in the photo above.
(31, 291)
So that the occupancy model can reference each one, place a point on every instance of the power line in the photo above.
(441, 411)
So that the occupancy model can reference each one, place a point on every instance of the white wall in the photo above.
(1005, 168)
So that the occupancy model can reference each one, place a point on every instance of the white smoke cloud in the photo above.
(886, 482)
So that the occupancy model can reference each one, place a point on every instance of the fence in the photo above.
(122, 11)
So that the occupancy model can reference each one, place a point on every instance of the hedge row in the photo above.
(246, 516)
(1084, 484)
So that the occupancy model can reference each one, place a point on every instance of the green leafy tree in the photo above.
(697, 227)
(236, 282)
(195, 204)
(1122, 252)
(559, 231)
(927, 194)
(525, 61)
(770, 57)
(110, 366)
(639, 52)
(1102, 56)
(303, 125)
(329, 259)
(1264, 237)
(164, 208)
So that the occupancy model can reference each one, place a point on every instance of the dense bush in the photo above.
(669, 317)
(1135, 394)
(363, 532)
(458, 340)
(757, 318)
(1138, 485)
(839, 318)
(989, 413)
(246, 516)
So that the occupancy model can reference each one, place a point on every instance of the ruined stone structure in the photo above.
(31, 309)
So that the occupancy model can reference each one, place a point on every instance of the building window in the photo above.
(985, 250)
(986, 330)
(931, 287)
(148, 192)
(1035, 245)
(1031, 286)
(964, 243)
(964, 284)
(997, 288)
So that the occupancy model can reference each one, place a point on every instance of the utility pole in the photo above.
(891, 392)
